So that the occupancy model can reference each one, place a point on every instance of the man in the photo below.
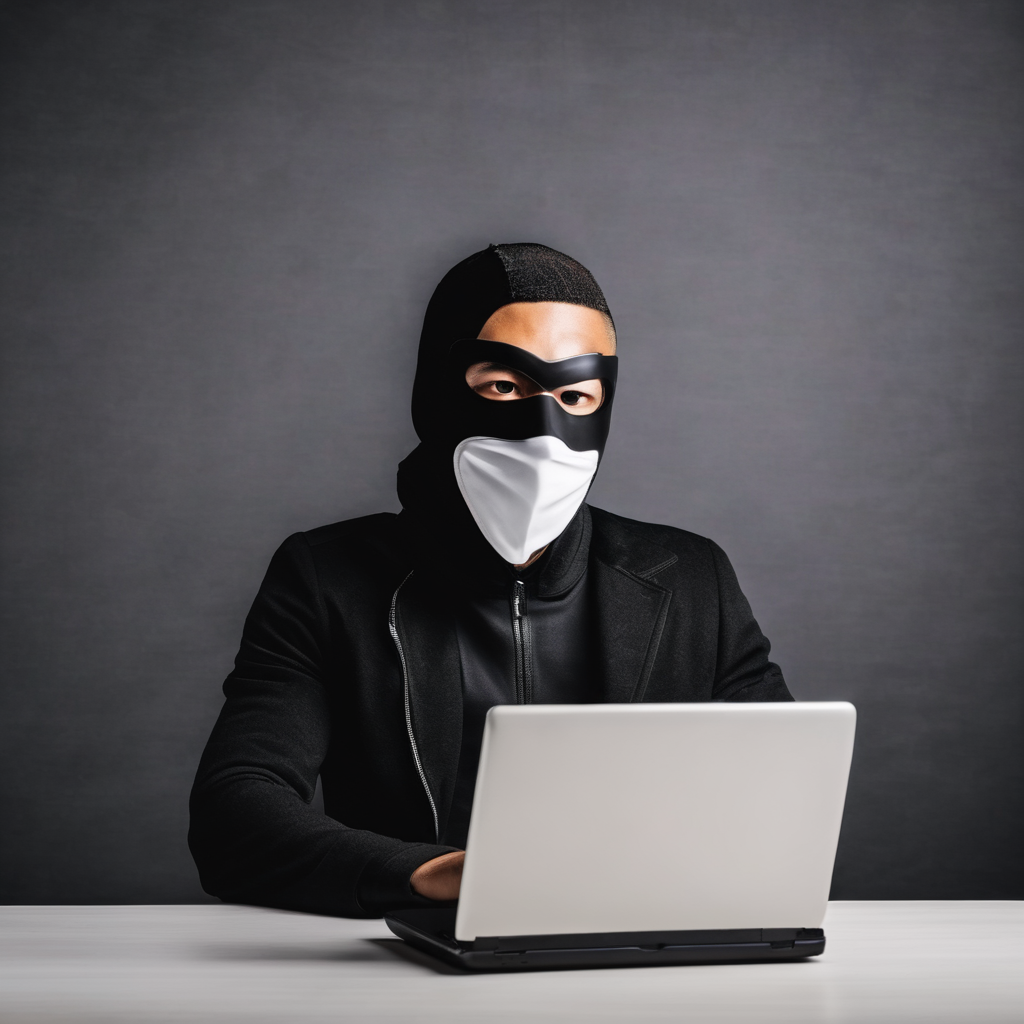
(376, 646)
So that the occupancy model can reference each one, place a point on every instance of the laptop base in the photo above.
(433, 932)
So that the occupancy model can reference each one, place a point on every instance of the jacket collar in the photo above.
(560, 568)
(631, 609)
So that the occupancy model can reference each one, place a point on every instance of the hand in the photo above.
(440, 878)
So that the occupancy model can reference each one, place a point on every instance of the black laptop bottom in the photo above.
(433, 931)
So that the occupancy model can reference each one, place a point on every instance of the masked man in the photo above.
(376, 646)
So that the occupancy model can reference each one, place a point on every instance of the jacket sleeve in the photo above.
(743, 672)
(254, 836)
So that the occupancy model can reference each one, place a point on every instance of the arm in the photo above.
(254, 836)
(743, 671)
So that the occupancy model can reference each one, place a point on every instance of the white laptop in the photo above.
(608, 834)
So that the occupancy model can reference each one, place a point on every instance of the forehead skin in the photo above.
(551, 330)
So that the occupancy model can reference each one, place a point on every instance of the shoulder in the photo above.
(366, 544)
(649, 548)
(364, 529)
(664, 555)
(610, 525)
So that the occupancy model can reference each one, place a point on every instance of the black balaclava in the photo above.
(470, 442)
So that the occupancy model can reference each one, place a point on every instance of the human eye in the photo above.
(583, 398)
(499, 388)
(496, 382)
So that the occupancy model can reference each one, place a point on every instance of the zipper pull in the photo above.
(519, 599)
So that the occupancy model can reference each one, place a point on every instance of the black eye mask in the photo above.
(472, 415)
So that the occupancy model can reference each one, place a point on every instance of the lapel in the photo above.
(426, 628)
(631, 610)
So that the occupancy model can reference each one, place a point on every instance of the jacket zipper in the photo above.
(393, 627)
(524, 644)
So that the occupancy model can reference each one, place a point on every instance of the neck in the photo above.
(533, 558)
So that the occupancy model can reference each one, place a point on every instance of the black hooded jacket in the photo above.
(354, 662)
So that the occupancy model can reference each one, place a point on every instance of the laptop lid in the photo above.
(655, 817)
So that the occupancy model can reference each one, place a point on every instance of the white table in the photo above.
(888, 962)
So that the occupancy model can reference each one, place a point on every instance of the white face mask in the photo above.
(522, 494)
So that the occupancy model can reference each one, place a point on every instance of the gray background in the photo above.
(221, 224)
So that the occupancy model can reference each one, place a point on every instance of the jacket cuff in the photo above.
(385, 886)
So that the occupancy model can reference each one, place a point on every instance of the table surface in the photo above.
(888, 962)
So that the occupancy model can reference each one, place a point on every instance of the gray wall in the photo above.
(221, 223)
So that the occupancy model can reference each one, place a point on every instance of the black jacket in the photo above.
(319, 689)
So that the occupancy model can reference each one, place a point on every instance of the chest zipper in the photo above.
(393, 628)
(524, 644)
